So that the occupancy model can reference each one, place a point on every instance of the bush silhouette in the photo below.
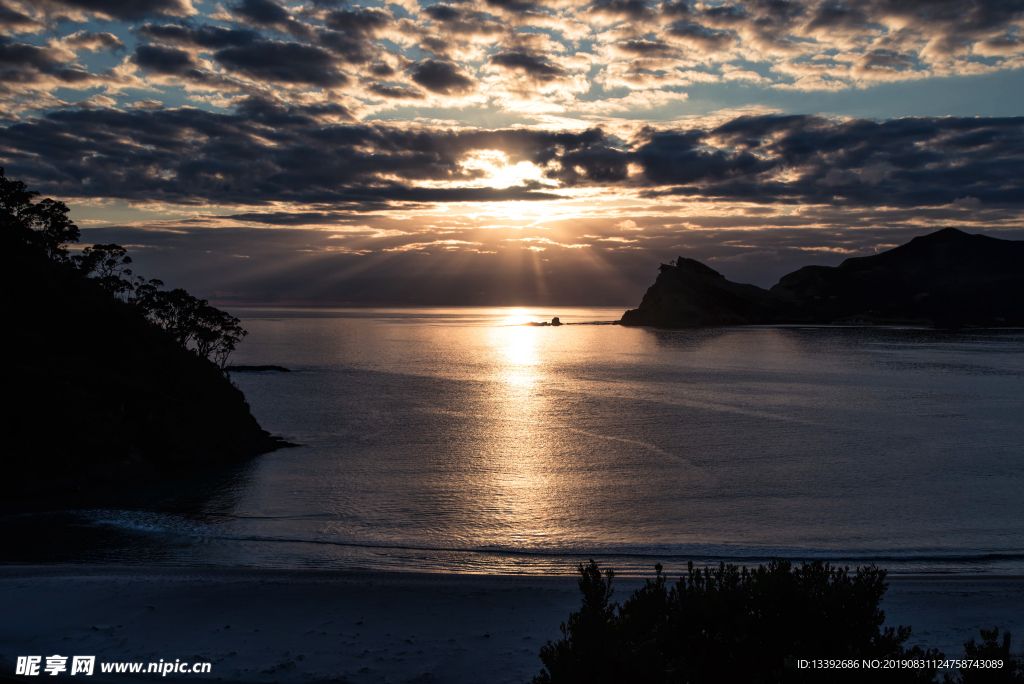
(731, 624)
(990, 649)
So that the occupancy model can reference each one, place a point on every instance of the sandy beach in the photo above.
(265, 625)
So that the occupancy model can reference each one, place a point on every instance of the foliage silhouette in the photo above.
(102, 392)
(45, 225)
(990, 649)
(212, 333)
(731, 624)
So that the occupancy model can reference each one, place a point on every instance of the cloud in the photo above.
(623, 9)
(13, 21)
(92, 42)
(534, 59)
(462, 21)
(395, 92)
(440, 77)
(262, 12)
(922, 161)
(271, 151)
(275, 151)
(358, 22)
(205, 36)
(124, 10)
(28, 70)
(514, 6)
(165, 60)
(533, 66)
(646, 48)
(283, 62)
(698, 35)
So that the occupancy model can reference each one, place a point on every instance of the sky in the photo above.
(510, 152)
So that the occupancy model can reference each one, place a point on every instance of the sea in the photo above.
(463, 440)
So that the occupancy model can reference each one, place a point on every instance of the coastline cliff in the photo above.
(947, 279)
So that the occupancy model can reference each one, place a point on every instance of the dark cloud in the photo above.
(21, 55)
(359, 22)
(645, 48)
(949, 26)
(443, 12)
(911, 162)
(261, 12)
(266, 152)
(272, 151)
(381, 69)
(595, 164)
(955, 16)
(676, 9)
(441, 77)
(435, 44)
(887, 59)
(291, 218)
(16, 21)
(125, 10)
(518, 6)
(623, 9)
(86, 40)
(266, 111)
(534, 66)
(165, 60)
(728, 14)
(834, 14)
(702, 36)
(463, 21)
(779, 9)
(670, 157)
(288, 63)
(350, 33)
(395, 92)
(22, 64)
(206, 36)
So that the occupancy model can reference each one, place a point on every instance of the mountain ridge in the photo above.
(945, 278)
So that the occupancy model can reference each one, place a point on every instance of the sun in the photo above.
(497, 172)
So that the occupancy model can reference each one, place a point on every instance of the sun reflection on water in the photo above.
(521, 479)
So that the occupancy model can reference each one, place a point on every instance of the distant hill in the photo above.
(946, 278)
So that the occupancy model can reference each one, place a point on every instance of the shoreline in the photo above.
(8, 569)
(289, 625)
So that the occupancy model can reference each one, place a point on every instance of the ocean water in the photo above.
(459, 440)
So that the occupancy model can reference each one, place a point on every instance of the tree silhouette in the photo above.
(195, 324)
(44, 224)
(108, 265)
(45, 227)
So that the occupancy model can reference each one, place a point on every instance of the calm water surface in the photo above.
(458, 440)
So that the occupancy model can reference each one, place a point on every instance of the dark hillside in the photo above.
(947, 278)
(95, 392)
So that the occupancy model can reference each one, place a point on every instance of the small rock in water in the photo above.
(555, 321)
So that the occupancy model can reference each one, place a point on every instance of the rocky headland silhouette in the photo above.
(948, 278)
